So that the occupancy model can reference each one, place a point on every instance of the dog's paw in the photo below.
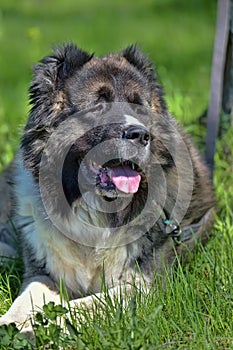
(16, 315)
(5, 320)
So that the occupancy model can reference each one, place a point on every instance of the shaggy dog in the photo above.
(107, 185)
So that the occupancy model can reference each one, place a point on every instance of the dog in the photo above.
(105, 184)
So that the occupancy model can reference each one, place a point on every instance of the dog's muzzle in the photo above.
(122, 174)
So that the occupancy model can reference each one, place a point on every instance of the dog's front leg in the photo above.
(118, 295)
(35, 293)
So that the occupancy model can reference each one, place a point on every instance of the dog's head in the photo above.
(118, 121)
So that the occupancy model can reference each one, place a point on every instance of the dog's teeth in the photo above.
(133, 166)
(94, 167)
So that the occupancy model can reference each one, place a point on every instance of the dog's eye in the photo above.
(134, 98)
(105, 94)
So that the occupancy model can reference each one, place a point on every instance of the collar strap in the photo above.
(172, 228)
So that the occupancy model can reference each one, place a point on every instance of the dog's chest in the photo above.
(82, 268)
(85, 269)
(81, 265)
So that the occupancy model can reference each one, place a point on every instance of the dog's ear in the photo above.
(65, 61)
(140, 61)
(52, 71)
(146, 67)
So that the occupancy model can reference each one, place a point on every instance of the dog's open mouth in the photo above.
(116, 177)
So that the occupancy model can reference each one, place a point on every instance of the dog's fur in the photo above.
(76, 242)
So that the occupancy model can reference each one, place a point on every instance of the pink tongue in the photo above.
(125, 179)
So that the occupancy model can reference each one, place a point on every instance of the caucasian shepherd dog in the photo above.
(106, 184)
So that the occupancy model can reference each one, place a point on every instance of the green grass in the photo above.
(195, 310)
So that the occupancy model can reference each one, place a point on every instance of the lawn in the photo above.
(195, 311)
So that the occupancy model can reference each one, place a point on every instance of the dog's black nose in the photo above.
(137, 134)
